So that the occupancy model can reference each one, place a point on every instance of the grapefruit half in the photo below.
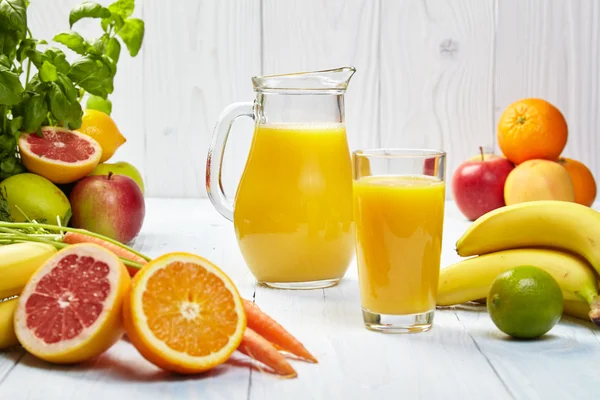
(60, 155)
(70, 309)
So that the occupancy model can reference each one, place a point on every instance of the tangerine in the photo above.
(584, 183)
(532, 129)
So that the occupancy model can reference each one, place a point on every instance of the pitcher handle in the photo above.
(214, 161)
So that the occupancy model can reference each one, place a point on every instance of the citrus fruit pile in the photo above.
(532, 134)
(61, 161)
(180, 311)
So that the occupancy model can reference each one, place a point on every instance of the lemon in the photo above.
(525, 302)
(30, 196)
(101, 127)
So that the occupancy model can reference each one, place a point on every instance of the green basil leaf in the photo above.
(113, 49)
(122, 7)
(16, 124)
(115, 19)
(105, 23)
(8, 41)
(93, 75)
(8, 167)
(58, 102)
(13, 16)
(111, 64)
(100, 104)
(74, 115)
(36, 57)
(24, 47)
(5, 62)
(87, 9)
(67, 87)
(35, 111)
(132, 34)
(10, 87)
(7, 145)
(47, 72)
(73, 41)
(98, 46)
(57, 58)
(35, 85)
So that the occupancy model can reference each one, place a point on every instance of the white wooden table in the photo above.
(464, 356)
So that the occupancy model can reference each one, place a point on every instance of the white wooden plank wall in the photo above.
(434, 73)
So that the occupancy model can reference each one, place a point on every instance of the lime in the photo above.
(30, 196)
(525, 302)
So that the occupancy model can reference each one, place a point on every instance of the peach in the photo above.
(538, 180)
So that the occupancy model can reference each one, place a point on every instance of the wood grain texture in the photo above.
(121, 372)
(437, 76)
(549, 49)
(429, 74)
(464, 356)
(319, 34)
(202, 56)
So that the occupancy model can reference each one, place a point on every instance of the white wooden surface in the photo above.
(433, 73)
(463, 357)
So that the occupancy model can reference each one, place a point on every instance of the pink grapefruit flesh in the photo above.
(69, 310)
(60, 145)
(60, 155)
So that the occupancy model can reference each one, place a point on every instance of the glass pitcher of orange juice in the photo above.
(292, 211)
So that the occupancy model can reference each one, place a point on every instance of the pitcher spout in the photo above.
(328, 81)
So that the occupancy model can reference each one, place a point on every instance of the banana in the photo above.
(548, 223)
(7, 328)
(573, 308)
(18, 262)
(577, 309)
(471, 279)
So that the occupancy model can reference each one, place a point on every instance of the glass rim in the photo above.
(398, 152)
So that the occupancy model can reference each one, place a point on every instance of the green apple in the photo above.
(120, 168)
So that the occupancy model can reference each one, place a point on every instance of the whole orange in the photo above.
(532, 129)
(584, 183)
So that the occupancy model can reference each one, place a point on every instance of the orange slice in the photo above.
(60, 155)
(184, 314)
(70, 309)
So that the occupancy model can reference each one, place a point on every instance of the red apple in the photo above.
(478, 184)
(111, 205)
(429, 166)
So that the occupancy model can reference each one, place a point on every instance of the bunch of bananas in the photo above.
(562, 238)
(18, 262)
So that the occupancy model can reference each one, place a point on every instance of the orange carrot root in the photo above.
(255, 346)
(75, 238)
(272, 331)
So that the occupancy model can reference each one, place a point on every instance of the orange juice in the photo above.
(399, 222)
(293, 208)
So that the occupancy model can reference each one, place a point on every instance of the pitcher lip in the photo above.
(334, 80)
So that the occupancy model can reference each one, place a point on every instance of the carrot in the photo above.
(272, 331)
(257, 347)
(76, 237)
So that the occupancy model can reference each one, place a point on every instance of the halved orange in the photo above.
(59, 155)
(184, 314)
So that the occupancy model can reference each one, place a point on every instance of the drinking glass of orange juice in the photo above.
(398, 213)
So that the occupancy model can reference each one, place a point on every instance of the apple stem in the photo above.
(481, 152)
(109, 174)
